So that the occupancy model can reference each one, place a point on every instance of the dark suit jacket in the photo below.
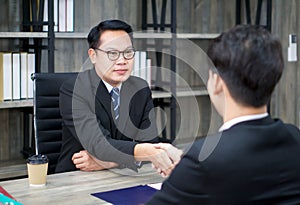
(254, 162)
(85, 106)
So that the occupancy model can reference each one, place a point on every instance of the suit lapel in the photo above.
(100, 92)
(103, 97)
(102, 100)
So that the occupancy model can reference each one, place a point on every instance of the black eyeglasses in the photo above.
(114, 55)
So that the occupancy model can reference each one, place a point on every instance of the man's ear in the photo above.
(92, 55)
(218, 84)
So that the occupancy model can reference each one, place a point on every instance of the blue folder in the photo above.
(128, 196)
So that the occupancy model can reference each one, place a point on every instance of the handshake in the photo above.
(164, 158)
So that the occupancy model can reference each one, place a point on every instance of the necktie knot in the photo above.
(116, 91)
(115, 97)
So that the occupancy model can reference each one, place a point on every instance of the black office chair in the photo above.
(47, 118)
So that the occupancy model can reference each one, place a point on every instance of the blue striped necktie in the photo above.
(115, 97)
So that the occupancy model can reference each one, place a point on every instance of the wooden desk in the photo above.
(75, 187)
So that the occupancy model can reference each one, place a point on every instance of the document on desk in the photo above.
(128, 196)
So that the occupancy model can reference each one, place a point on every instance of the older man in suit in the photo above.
(108, 117)
(254, 158)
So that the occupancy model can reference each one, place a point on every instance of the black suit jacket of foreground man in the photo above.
(254, 162)
(88, 122)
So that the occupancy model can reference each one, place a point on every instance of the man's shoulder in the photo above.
(289, 126)
(293, 130)
(137, 81)
(68, 84)
(203, 146)
(135, 84)
(81, 80)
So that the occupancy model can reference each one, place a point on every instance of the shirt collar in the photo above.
(109, 87)
(244, 118)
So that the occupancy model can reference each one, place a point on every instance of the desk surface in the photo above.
(75, 187)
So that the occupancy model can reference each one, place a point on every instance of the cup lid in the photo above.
(37, 159)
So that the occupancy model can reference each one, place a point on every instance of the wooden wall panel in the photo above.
(4, 134)
(11, 136)
(297, 111)
(286, 102)
(70, 54)
(209, 16)
(88, 13)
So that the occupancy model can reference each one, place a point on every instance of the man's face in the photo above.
(116, 71)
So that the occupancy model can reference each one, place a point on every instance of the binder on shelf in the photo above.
(143, 65)
(30, 70)
(5, 76)
(55, 12)
(148, 72)
(16, 76)
(61, 15)
(136, 65)
(70, 15)
(24, 74)
(66, 15)
(55, 15)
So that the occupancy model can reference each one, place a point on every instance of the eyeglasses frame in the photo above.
(119, 52)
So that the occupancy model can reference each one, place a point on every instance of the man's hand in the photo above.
(86, 162)
(164, 157)
(173, 152)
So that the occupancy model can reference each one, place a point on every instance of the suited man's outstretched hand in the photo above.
(164, 157)
(174, 153)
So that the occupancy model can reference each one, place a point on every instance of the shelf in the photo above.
(202, 91)
(16, 104)
(155, 94)
(83, 35)
(42, 35)
(181, 92)
(160, 94)
(136, 35)
(23, 34)
(147, 35)
(152, 35)
(71, 35)
(197, 35)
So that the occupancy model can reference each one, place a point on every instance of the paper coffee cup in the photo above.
(37, 166)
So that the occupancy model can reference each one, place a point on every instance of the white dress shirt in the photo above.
(244, 118)
(109, 87)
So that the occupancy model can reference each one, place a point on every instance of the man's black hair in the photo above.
(114, 24)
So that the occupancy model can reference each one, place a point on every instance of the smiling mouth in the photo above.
(121, 71)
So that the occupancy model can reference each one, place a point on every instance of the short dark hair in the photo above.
(113, 24)
(249, 60)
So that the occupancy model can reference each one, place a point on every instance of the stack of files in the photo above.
(63, 15)
(142, 66)
(15, 75)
